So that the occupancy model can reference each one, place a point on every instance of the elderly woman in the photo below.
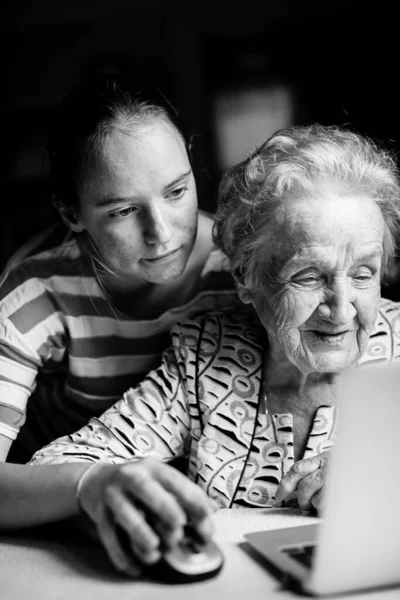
(309, 223)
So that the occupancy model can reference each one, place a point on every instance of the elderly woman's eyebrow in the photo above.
(302, 259)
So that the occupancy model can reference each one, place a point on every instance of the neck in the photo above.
(290, 390)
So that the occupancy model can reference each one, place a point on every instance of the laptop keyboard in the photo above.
(304, 554)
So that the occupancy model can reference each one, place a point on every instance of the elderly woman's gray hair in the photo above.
(299, 162)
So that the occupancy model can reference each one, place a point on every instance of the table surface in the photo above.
(58, 566)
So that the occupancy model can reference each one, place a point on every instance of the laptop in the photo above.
(356, 545)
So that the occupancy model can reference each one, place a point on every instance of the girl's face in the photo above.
(139, 204)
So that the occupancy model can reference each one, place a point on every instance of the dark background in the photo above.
(340, 59)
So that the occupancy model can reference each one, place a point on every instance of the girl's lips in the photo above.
(163, 257)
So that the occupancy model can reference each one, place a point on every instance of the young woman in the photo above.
(83, 321)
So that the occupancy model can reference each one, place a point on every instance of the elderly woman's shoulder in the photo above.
(241, 325)
(389, 312)
(384, 341)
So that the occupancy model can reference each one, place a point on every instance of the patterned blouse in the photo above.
(206, 402)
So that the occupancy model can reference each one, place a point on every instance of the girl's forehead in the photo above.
(132, 144)
(136, 163)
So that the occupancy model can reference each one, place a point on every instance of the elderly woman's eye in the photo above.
(363, 278)
(307, 281)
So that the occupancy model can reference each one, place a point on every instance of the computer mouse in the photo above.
(188, 561)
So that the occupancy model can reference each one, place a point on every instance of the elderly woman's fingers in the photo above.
(296, 473)
(140, 483)
(120, 557)
(308, 488)
(172, 498)
(317, 499)
(140, 538)
(197, 505)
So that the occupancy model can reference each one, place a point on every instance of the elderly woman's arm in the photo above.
(151, 420)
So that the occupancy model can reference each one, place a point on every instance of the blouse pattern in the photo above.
(206, 402)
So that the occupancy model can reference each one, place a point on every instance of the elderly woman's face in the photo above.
(321, 304)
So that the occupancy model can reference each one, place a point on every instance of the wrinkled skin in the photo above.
(151, 501)
(318, 307)
(306, 479)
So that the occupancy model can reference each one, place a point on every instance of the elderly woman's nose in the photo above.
(339, 305)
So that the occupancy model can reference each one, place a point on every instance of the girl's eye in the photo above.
(178, 193)
(125, 212)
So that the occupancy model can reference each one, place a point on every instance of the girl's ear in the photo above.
(69, 216)
(241, 286)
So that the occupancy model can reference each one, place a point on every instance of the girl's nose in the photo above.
(157, 229)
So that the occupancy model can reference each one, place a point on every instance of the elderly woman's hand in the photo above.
(150, 501)
(307, 478)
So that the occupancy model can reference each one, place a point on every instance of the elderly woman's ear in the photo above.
(242, 286)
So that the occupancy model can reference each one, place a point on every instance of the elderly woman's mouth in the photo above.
(330, 338)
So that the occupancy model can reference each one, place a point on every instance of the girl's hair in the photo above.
(299, 162)
(88, 115)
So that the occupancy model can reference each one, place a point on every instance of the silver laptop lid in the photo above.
(359, 543)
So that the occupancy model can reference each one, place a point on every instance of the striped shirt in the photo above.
(67, 350)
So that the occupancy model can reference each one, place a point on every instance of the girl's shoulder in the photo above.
(37, 262)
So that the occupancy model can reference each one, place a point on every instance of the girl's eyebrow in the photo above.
(178, 180)
(110, 200)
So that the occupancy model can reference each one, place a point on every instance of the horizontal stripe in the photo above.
(11, 353)
(84, 327)
(33, 272)
(110, 366)
(90, 400)
(11, 416)
(13, 394)
(33, 312)
(9, 432)
(17, 372)
(82, 316)
(50, 238)
(105, 386)
(37, 296)
(12, 338)
(113, 345)
(38, 337)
